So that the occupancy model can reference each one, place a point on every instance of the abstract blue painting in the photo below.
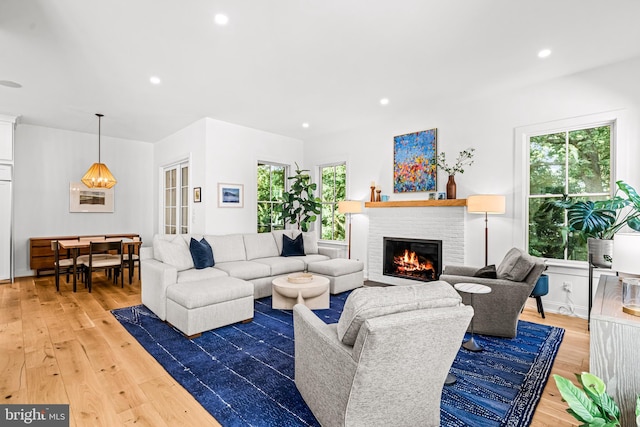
(414, 162)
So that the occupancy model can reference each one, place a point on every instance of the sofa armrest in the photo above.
(459, 270)
(156, 278)
(330, 252)
(146, 252)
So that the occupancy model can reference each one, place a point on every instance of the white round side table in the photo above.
(472, 289)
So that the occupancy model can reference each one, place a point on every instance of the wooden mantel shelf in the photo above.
(416, 203)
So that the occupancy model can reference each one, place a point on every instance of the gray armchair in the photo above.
(497, 313)
(386, 360)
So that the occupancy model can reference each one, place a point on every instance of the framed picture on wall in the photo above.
(414, 162)
(230, 195)
(197, 196)
(84, 199)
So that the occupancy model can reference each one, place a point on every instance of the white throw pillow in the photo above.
(174, 252)
(310, 240)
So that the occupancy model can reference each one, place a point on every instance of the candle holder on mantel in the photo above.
(373, 193)
(378, 191)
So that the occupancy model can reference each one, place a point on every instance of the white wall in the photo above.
(47, 160)
(488, 124)
(222, 152)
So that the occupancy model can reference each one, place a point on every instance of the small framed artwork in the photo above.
(197, 196)
(432, 196)
(230, 195)
(84, 199)
(442, 195)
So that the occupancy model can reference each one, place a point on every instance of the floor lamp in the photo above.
(348, 208)
(486, 204)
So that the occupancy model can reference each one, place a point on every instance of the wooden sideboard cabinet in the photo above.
(615, 347)
(41, 257)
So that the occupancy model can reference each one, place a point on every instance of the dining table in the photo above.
(75, 245)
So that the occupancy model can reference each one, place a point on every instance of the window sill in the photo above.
(560, 263)
(577, 268)
(332, 243)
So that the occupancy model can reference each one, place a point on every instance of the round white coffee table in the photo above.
(472, 289)
(314, 294)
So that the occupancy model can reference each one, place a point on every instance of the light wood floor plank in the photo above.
(65, 347)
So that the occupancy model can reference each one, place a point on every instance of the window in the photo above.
(333, 185)
(576, 163)
(176, 199)
(271, 186)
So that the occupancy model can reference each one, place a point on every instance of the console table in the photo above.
(614, 347)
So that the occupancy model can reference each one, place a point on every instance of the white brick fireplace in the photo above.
(446, 223)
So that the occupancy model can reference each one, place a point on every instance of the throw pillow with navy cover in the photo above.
(292, 247)
(488, 272)
(201, 253)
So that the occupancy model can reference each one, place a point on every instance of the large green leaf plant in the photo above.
(604, 218)
(591, 405)
(300, 206)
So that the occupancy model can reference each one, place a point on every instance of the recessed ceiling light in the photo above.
(305, 125)
(221, 19)
(544, 53)
(384, 101)
(11, 84)
(155, 80)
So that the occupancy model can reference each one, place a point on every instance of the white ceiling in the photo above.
(279, 63)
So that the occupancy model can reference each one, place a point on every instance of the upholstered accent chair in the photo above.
(497, 312)
(386, 360)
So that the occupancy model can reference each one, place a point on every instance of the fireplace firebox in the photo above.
(417, 259)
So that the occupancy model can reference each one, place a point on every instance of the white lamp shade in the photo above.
(486, 203)
(626, 253)
(350, 206)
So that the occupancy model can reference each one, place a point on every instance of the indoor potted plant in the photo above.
(299, 205)
(465, 158)
(592, 406)
(598, 221)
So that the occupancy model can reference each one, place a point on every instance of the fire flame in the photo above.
(409, 262)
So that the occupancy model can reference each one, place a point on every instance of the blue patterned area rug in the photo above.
(243, 374)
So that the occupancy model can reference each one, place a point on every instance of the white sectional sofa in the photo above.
(196, 300)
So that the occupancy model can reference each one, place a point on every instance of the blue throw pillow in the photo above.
(292, 247)
(201, 253)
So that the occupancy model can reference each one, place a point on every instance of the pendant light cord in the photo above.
(99, 122)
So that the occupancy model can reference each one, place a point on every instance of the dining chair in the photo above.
(59, 264)
(133, 253)
(83, 259)
(101, 257)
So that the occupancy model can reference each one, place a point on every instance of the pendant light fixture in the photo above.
(98, 175)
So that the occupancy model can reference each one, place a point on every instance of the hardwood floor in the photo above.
(67, 348)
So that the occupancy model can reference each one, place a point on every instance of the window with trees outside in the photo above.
(577, 164)
(333, 188)
(271, 186)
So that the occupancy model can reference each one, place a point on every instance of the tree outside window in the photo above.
(333, 184)
(271, 186)
(574, 163)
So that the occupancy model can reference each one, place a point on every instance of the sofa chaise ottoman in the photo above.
(343, 274)
(195, 307)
